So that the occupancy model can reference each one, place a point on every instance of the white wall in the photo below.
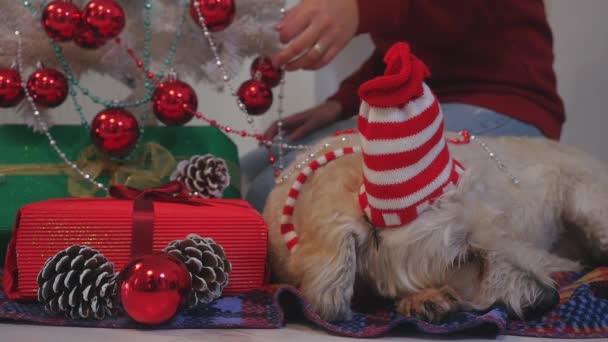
(581, 48)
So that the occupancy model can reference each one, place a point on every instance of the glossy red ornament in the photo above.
(174, 102)
(105, 18)
(87, 39)
(115, 132)
(262, 67)
(256, 96)
(218, 14)
(154, 288)
(11, 91)
(48, 87)
(60, 20)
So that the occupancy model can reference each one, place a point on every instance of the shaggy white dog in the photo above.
(488, 240)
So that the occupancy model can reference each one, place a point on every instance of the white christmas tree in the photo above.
(165, 32)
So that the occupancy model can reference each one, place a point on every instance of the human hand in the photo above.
(301, 124)
(316, 30)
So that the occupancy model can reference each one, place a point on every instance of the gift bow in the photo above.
(145, 170)
(171, 192)
(142, 228)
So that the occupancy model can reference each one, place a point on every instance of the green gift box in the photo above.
(31, 171)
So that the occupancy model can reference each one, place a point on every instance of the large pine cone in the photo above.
(207, 264)
(79, 282)
(205, 176)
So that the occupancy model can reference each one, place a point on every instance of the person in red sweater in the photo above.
(491, 65)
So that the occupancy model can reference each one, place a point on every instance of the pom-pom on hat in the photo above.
(407, 163)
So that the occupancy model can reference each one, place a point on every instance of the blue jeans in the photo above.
(259, 176)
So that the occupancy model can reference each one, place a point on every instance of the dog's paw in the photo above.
(544, 303)
(430, 305)
(331, 305)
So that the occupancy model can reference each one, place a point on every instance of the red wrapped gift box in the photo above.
(108, 225)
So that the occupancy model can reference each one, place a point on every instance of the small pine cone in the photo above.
(207, 264)
(206, 176)
(78, 282)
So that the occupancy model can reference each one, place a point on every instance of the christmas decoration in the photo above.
(127, 225)
(48, 87)
(251, 32)
(204, 176)
(78, 282)
(263, 70)
(174, 102)
(218, 50)
(218, 14)
(256, 96)
(11, 91)
(60, 20)
(154, 287)
(208, 266)
(105, 18)
(115, 131)
(399, 190)
(87, 39)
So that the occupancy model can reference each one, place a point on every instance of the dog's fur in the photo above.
(487, 241)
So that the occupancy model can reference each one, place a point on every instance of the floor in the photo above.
(292, 333)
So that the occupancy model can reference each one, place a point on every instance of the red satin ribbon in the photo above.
(143, 210)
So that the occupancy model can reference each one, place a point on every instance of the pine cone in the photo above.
(205, 176)
(79, 282)
(207, 264)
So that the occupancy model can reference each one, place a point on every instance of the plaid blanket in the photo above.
(582, 313)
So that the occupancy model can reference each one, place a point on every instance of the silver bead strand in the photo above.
(280, 135)
(43, 125)
(311, 156)
(499, 163)
(218, 60)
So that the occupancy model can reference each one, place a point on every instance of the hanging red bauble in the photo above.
(218, 14)
(263, 70)
(174, 102)
(115, 132)
(256, 96)
(60, 20)
(105, 18)
(48, 87)
(11, 91)
(154, 287)
(87, 39)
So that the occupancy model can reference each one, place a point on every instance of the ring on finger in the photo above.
(319, 48)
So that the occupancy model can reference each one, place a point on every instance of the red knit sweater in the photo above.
(491, 53)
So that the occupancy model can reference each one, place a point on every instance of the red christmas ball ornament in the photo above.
(48, 87)
(263, 70)
(105, 18)
(87, 39)
(154, 288)
(174, 102)
(11, 91)
(218, 14)
(60, 20)
(115, 132)
(256, 96)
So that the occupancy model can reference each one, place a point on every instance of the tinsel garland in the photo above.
(251, 34)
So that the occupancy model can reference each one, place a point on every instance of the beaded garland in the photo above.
(74, 85)
(153, 80)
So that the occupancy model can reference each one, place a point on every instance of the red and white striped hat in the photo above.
(407, 163)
